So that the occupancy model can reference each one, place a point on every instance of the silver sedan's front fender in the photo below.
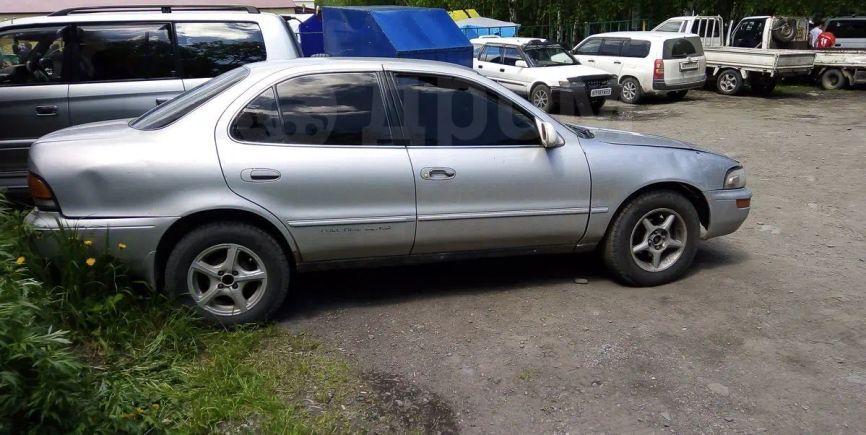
(619, 171)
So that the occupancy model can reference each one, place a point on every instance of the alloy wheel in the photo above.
(658, 240)
(728, 82)
(227, 279)
(629, 90)
(540, 98)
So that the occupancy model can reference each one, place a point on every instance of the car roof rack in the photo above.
(142, 8)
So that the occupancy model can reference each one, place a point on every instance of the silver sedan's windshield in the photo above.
(166, 113)
(549, 55)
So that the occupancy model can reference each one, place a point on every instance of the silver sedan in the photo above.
(222, 194)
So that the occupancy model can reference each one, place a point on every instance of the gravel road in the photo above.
(767, 332)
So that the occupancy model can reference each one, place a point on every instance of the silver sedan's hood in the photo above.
(93, 130)
(619, 137)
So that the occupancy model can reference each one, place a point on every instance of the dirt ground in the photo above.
(766, 334)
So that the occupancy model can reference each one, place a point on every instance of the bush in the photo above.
(84, 349)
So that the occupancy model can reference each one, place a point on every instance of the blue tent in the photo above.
(481, 26)
(394, 31)
(312, 41)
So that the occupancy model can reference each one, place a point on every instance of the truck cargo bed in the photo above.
(771, 61)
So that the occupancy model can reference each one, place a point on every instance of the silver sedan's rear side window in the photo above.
(167, 113)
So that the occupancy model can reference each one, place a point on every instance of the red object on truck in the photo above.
(825, 40)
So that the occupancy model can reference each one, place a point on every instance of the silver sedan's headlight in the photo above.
(735, 178)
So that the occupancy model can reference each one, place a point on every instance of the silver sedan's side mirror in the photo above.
(520, 64)
(549, 137)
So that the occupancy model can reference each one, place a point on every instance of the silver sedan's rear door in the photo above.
(317, 151)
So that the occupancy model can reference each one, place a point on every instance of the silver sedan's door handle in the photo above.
(438, 173)
(161, 100)
(46, 110)
(260, 175)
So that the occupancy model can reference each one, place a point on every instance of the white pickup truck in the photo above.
(760, 50)
(836, 69)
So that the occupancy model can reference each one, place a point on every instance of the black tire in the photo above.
(677, 95)
(630, 91)
(541, 97)
(596, 105)
(620, 240)
(729, 82)
(763, 86)
(833, 79)
(274, 263)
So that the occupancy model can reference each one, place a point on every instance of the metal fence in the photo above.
(570, 34)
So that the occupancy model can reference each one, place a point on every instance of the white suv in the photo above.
(543, 71)
(647, 62)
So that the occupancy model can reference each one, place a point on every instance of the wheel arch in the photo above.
(187, 223)
(628, 76)
(690, 192)
(537, 82)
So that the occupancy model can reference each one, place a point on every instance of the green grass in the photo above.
(84, 349)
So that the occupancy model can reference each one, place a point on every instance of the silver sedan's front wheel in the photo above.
(231, 272)
(658, 240)
(653, 238)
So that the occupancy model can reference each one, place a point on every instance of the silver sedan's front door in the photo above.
(482, 178)
(317, 152)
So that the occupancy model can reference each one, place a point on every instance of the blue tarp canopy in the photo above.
(394, 31)
(311, 36)
(480, 26)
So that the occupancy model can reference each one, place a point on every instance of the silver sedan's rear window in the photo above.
(169, 112)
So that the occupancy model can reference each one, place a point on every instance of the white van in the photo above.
(647, 62)
(850, 32)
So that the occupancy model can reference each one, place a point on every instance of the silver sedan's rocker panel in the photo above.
(172, 192)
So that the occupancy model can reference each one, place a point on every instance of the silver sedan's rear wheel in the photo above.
(653, 238)
(231, 272)
(227, 279)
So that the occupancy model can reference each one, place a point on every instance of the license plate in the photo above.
(688, 66)
(603, 92)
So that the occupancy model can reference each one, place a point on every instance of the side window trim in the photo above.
(393, 108)
(398, 106)
(273, 87)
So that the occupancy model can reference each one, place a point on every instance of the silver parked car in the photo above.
(97, 63)
(224, 192)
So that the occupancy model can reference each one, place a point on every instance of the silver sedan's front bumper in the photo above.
(132, 240)
(726, 212)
